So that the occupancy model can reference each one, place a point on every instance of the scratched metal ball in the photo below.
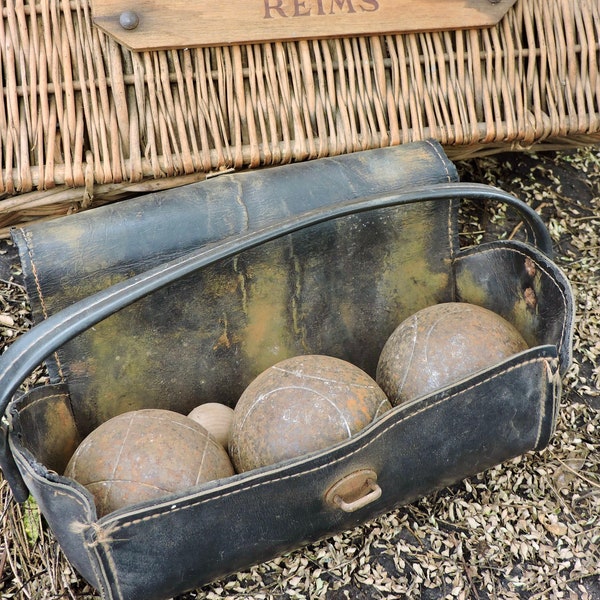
(440, 345)
(300, 405)
(216, 418)
(143, 455)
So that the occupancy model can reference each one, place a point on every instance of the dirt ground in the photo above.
(527, 529)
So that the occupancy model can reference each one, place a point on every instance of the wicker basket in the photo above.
(85, 121)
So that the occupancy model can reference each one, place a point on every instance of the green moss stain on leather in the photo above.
(119, 370)
(415, 270)
(468, 289)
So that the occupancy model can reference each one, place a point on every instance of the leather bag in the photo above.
(184, 296)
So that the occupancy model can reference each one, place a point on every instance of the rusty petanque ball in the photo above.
(143, 455)
(441, 344)
(300, 405)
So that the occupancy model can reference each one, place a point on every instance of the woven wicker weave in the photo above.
(85, 121)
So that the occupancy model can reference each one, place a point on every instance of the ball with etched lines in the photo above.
(301, 405)
(442, 344)
(143, 455)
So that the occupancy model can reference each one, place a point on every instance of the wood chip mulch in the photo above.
(529, 528)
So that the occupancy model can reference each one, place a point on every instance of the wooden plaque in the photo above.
(160, 24)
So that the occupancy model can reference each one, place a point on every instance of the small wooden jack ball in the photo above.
(301, 405)
(216, 418)
(143, 455)
(440, 345)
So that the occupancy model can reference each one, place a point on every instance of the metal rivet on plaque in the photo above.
(129, 19)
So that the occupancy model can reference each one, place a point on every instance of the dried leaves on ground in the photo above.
(529, 528)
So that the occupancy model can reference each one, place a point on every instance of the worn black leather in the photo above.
(282, 276)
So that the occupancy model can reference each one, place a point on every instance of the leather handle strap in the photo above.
(29, 350)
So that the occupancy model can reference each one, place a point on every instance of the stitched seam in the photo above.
(59, 491)
(555, 403)
(102, 581)
(111, 564)
(43, 399)
(547, 273)
(442, 158)
(38, 287)
(451, 229)
(72, 497)
(451, 202)
(27, 237)
(100, 575)
(367, 443)
(542, 405)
